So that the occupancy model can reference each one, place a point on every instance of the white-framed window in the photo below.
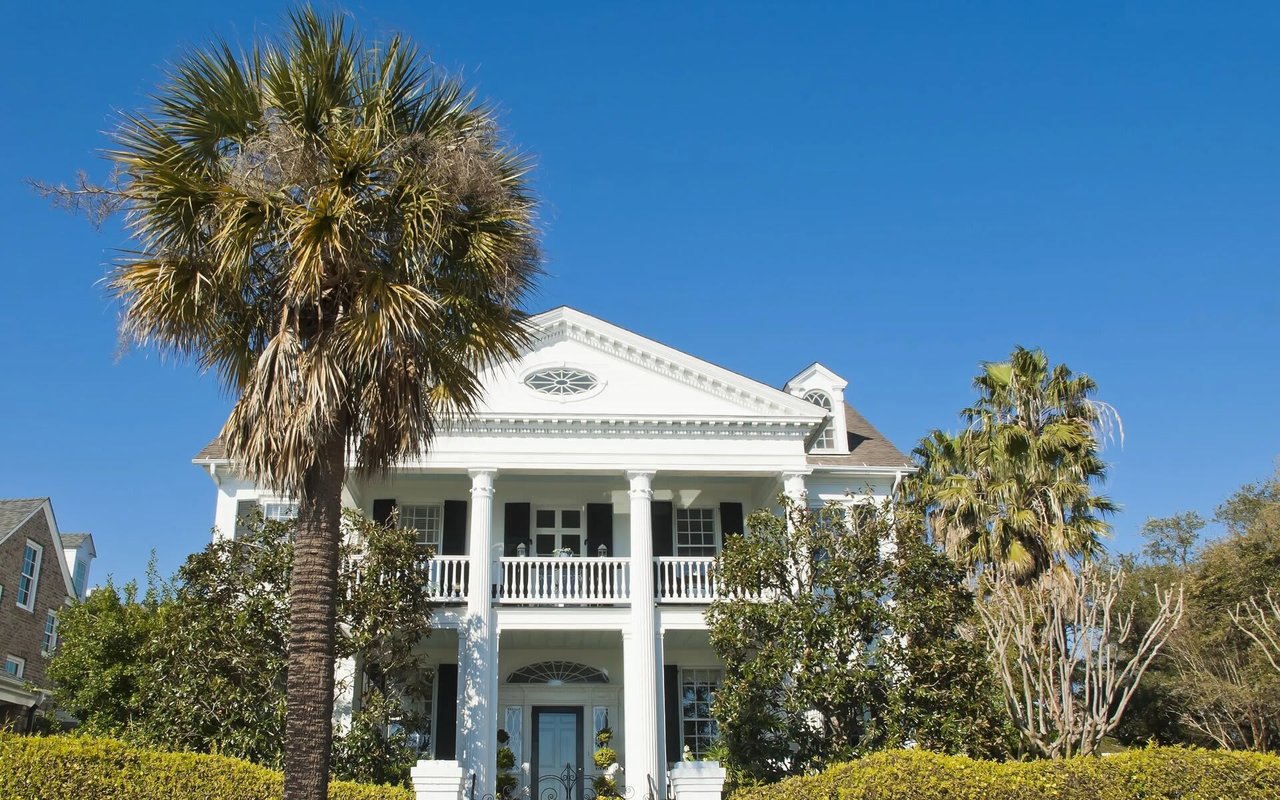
(558, 532)
(280, 512)
(80, 577)
(50, 641)
(427, 520)
(14, 666)
(29, 578)
(695, 531)
(827, 436)
(697, 727)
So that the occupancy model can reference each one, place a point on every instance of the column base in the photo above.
(437, 780)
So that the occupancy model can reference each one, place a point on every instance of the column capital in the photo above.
(793, 483)
(482, 481)
(641, 483)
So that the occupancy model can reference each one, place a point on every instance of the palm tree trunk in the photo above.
(308, 737)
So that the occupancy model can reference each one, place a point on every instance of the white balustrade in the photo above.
(565, 581)
(447, 578)
(688, 579)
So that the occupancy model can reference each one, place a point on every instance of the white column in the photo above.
(477, 648)
(643, 758)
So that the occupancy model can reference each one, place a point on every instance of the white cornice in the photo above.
(749, 428)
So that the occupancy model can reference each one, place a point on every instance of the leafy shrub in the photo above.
(81, 767)
(1157, 773)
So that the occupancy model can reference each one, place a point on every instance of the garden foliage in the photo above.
(1157, 773)
(84, 768)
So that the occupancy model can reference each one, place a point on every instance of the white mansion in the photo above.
(575, 517)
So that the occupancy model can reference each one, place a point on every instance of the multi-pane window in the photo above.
(14, 666)
(558, 532)
(695, 532)
(428, 521)
(50, 642)
(827, 436)
(29, 578)
(697, 691)
(280, 512)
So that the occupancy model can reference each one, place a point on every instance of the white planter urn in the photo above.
(697, 780)
(437, 780)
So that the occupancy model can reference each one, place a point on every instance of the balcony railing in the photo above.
(565, 581)
(687, 579)
(449, 578)
(541, 581)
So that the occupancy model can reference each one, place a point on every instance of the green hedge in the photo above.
(1157, 773)
(85, 768)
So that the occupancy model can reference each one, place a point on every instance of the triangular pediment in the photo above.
(579, 366)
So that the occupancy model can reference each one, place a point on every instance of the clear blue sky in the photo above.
(898, 191)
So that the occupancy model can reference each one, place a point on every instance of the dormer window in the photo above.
(827, 436)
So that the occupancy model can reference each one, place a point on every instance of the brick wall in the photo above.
(22, 631)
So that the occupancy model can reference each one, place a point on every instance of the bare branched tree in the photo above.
(1260, 621)
(1067, 656)
(1219, 698)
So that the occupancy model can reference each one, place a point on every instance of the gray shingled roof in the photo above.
(212, 450)
(868, 447)
(14, 512)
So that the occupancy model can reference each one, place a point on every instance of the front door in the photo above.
(557, 752)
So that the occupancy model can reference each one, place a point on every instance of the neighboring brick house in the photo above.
(40, 571)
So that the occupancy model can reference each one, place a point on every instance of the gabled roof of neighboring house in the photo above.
(15, 512)
(868, 447)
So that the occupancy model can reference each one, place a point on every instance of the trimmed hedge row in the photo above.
(1156, 773)
(86, 768)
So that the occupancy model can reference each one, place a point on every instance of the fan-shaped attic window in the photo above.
(561, 382)
(557, 673)
(818, 399)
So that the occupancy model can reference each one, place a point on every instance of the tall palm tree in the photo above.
(340, 235)
(1015, 488)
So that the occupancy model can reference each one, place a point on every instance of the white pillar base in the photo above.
(437, 780)
(697, 780)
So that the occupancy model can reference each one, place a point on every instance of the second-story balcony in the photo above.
(574, 581)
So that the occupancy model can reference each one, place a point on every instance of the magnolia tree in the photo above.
(843, 631)
(1067, 654)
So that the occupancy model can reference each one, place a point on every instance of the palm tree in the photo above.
(1014, 489)
(340, 235)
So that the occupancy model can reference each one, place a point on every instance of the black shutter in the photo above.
(244, 513)
(671, 702)
(446, 712)
(383, 510)
(663, 527)
(453, 542)
(731, 520)
(599, 528)
(516, 528)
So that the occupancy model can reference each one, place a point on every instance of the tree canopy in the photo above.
(1014, 489)
(199, 662)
